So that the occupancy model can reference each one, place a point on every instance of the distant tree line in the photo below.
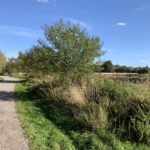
(127, 69)
(108, 66)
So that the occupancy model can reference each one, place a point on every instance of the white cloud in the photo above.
(43, 1)
(122, 24)
(19, 31)
(52, 2)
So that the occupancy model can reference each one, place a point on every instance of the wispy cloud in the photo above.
(145, 54)
(52, 2)
(142, 8)
(43, 1)
(122, 24)
(19, 31)
(81, 23)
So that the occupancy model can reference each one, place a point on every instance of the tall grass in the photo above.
(118, 106)
(56, 124)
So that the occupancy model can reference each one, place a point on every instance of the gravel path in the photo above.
(11, 133)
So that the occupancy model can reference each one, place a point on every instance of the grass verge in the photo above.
(1, 79)
(49, 126)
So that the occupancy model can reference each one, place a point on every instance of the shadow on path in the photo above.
(10, 81)
(6, 96)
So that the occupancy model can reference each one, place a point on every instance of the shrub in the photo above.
(140, 122)
(107, 66)
(132, 119)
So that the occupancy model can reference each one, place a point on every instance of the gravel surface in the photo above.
(11, 133)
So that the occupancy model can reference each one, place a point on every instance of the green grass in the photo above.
(49, 126)
(1, 79)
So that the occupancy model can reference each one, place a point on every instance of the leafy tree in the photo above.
(75, 49)
(108, 66)
(37, 62)
(11, 66)
(2, 61)
(68, 51)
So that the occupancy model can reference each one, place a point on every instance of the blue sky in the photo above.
(122, 25)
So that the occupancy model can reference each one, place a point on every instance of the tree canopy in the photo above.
(108, 66)
(75, 50)
(68, 51)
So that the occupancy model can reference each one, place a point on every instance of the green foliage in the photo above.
(2, 61)
(128, 108)
(108, 66)
(97, 67)
(126, 69)
(94, 116)
(76, 50)
(11, 66)
(88, 140)
(144, 70)
(140, 122)
(38, 61)
(113, 90)
(131, 118)
(68, 52)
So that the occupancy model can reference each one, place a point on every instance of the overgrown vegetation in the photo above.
(60, 125)
(120, 107)
(75, 108)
